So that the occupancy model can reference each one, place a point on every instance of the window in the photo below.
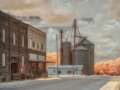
(33, 44)
(42, 47)
(38, 46)
(30, 43)
(3, 35)
(3, 59)
(32, 57)
(41, 57)
(69, 72)
(23, 61)
(23, 41)
(14, 39)
(59, 72)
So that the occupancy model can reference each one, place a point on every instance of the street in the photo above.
(65, 83)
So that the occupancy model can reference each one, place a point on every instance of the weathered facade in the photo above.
(17, 51)
(65, 70)
(4, 46)
(13, 48)
(36, 52)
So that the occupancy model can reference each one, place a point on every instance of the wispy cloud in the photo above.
(104, 32)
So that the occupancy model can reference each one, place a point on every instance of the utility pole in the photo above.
(74, 26)
(61, 46)
(57, 52)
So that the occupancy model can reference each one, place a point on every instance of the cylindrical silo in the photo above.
(66, 56)
(87, 44)
(81, 57)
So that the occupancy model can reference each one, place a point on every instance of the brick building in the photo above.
(36, 52)
(15, 53)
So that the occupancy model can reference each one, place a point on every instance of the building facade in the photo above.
(65, 70)
(13, 48)
(36, 52)
(20, 43)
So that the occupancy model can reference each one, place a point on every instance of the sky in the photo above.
(103, 32)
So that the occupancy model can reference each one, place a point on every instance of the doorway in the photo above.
(14, 68)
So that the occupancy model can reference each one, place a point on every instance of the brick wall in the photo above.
(12, 25)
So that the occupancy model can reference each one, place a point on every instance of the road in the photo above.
(71, 83)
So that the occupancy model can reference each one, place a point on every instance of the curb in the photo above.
(14, 83)
(47, 79)
(112, 85)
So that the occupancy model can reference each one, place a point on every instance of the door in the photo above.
(14, 68)
(14, 71)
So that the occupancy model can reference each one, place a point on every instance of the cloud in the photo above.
(43, 8)
(114, 9)
(104, 32)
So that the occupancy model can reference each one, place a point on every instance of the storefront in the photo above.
(36, 68)
(37, 65)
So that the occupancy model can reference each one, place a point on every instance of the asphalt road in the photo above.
(76, 83)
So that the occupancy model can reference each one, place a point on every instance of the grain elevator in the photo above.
(80, 51)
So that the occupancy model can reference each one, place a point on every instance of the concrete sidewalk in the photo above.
(14, 83)
(112, 85)
(23, 82)
(48, 78)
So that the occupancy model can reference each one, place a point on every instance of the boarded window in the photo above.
(14, 39)
(23, 41)
(30, 43)
(41, 58)
(23, 61)
(3, 35)
(3, 59)
(32, 57)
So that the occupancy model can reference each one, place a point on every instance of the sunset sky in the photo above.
(104, 32)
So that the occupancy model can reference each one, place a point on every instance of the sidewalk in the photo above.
(48, 78)
(14, 83)
(23, 83)
(112, 85)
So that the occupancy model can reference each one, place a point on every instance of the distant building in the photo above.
(22, 49)
(65, 70)
(86, 58)
(83, 54)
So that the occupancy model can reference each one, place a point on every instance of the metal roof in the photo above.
(81, 48)
(86, 41)
(66, 66)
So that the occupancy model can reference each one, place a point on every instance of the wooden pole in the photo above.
(57, 52)
(74, 25)
(61, 48)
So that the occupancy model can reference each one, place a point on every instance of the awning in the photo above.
(40, 61)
